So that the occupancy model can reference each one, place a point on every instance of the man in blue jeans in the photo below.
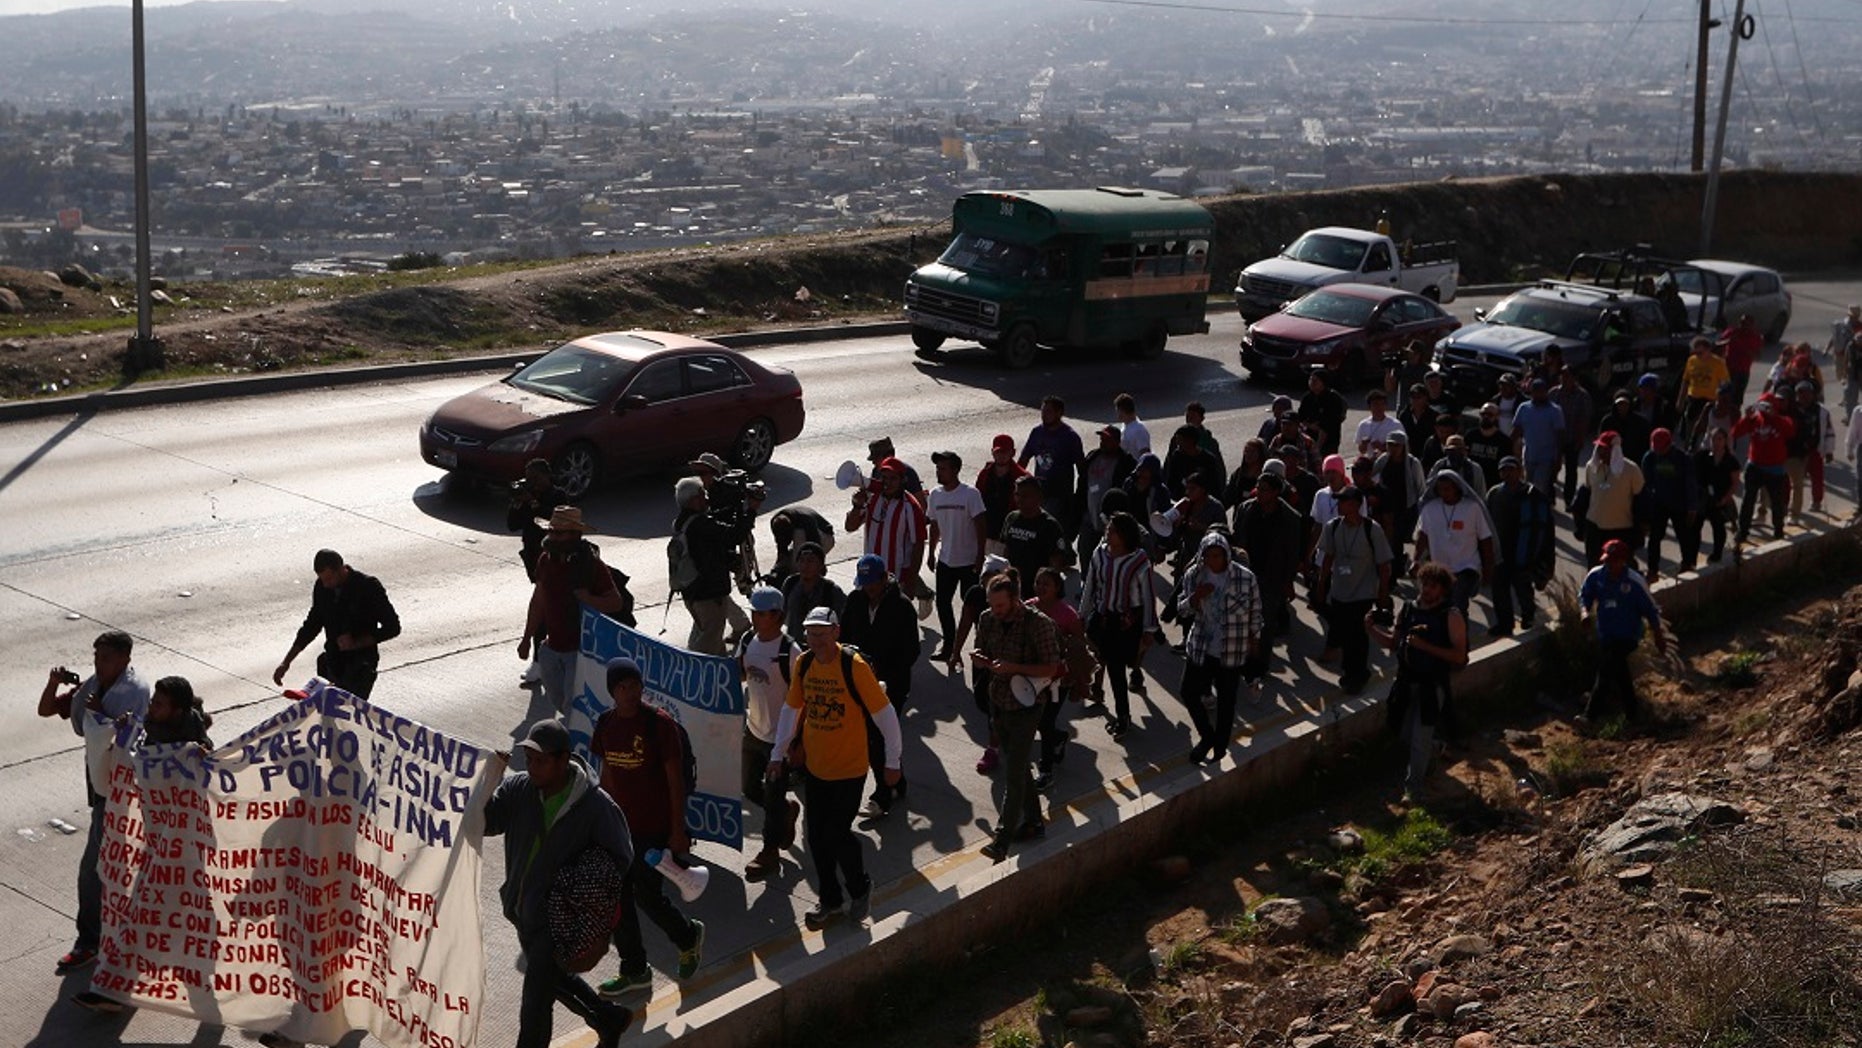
(113, 690)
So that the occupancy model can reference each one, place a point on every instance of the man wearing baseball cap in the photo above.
(996, 483)
(880, 450)
(549, 814)
(1617, 599)
(893, 520)
(569, 574)
(879, 622)
(767, 657)
(832, 692)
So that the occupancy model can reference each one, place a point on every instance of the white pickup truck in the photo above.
(1337, 254)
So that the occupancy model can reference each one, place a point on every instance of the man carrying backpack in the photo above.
(569, 574)
(640, 752)
(766, 655)
(879, 622)
(827, 688)
(700, 557)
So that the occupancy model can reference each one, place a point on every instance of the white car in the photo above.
(1744, 288)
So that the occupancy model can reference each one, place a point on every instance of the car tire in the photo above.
(576, 469)
(1018, 350)
(926, 339)
(1775, 333)
(754, 446)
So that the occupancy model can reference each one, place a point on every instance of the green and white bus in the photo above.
(1065, 268)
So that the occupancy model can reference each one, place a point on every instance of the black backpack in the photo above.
(784, 651)
(625, 616)
(847, 652)
(689, 766)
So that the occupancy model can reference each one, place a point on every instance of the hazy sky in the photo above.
(39, 7)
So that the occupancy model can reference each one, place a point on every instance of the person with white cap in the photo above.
(767, 657)
(1020, 649)
(549, 814)
(829, 684)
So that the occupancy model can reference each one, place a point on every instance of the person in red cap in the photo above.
(894, 522)
(996, 482)
(1613, 482)
(1616, 597)
(1673, 494)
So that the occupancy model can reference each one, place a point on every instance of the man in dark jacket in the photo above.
(548, 815)
(882, 624)
(713, 546)
(352, 612)
(1187, 458)
(1523, 534)
(1273, 535)
(1324, 410)
(1673, 494)
(1106, 468)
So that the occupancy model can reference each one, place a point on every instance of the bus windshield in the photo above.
(990, 257)
(1328, 251)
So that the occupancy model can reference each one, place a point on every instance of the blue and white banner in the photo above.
(704, 693)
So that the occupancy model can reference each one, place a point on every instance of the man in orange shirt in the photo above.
(830, 687)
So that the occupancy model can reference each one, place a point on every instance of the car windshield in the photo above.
(1329, 251)
(989, 256)
(1553, 318)
(1334, 308)
(572, 373)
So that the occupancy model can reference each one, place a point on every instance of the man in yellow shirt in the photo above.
(1701, 378)
(832, 693)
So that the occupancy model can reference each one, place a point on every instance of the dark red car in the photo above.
(1350, 329)
(619, 403)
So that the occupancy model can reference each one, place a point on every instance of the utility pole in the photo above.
(1707, 23)
(145, 350)
(1742, 29)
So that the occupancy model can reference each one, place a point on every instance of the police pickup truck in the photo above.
(1338, 254)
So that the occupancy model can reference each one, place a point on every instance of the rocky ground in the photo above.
(66, 332)
(1692, 880)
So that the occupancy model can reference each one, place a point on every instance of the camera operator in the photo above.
(712, 540)
(113, 690)
(734, 498)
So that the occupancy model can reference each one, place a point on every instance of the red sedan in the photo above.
(624, 402)
(1349, 329)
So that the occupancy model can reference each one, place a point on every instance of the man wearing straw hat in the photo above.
(569, 574)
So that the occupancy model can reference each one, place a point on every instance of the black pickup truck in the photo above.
(1608, 332)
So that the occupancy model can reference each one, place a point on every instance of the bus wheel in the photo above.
(927, 339)
(1018, 349)
(1151, 346)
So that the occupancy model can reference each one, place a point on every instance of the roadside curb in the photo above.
(292, 381)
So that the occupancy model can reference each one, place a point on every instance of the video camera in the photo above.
(734, 498)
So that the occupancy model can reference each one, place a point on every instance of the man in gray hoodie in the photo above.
(548, 815)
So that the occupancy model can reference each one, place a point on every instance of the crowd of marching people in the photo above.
(1051, 572)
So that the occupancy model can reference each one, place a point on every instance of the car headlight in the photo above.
(517, 443)
(1320, 349)
(990, 310)
(911, 292)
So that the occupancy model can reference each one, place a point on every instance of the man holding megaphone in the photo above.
(641, 754)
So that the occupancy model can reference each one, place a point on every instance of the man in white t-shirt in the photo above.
(764, 654)
(959, 529)
(1134, 436)
(1374, 430)
(1452, 529)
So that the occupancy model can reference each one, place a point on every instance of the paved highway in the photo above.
(192, 527)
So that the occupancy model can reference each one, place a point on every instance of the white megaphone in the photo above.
(690, 880)
(849, 476)
(1162, 524)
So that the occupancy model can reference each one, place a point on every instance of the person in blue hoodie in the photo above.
(548, 815)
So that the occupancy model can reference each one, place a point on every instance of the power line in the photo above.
(1803, 67)
(1263, 12)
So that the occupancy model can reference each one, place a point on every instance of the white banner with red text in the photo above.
(317, 875)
